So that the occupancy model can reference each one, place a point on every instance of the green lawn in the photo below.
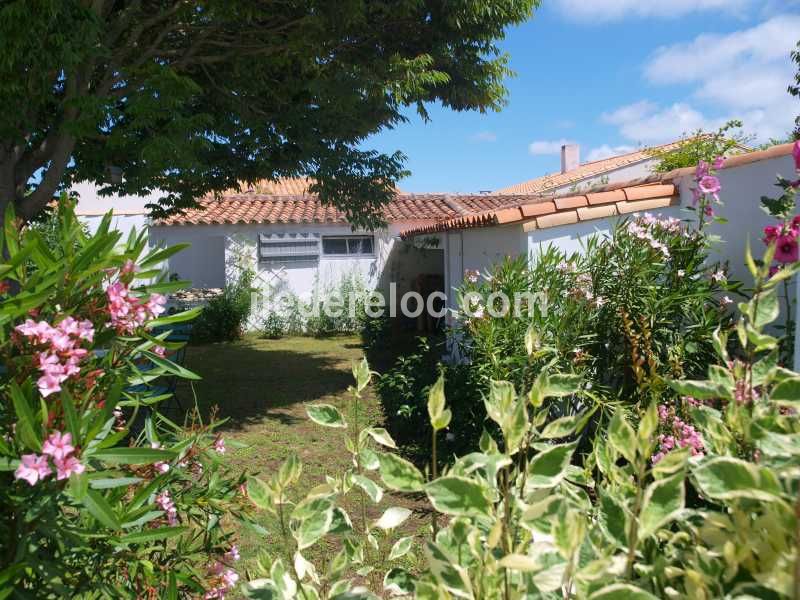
(261, 387)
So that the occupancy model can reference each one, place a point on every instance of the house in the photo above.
(129, 212)
(476, 241)
(575, 176)
(296, 244)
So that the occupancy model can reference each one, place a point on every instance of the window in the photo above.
(288, 248)
(347, 245)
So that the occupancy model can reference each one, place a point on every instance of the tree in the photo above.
(794, 88)
(197, 97)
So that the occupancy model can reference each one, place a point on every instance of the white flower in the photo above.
(718, 276)
(725, 301)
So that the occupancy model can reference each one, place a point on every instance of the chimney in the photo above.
(570, 157)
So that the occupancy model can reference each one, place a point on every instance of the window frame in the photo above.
(348, 239)
(311, 241)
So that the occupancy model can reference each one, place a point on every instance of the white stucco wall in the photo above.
(742, 188)
(129, 211)
(217, 253)
(572, 238)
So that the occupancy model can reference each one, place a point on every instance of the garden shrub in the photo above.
(224, 318)
(712, 513)
(88, 508)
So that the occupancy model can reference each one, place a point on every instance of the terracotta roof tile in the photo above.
(550, 182)
(543, 212)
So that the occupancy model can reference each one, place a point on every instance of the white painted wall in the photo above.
(572, 238)
(742, 188)
(217, 252)
(129, 211)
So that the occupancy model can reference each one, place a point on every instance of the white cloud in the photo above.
(547, 146)
(739, 75)
(613, 10)
(484, 136)
(708, 54)
(606, 151)
(648, 123)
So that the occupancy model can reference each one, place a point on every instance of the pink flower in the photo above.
(701, 170)
(58, 445)
(160, 351)
(49, 384)
(796, 155)
(128, 267)
(709, 185)
(32, 468)
(786, 250)
(68, 466)
(719, 162)
(718, 275)
(708, 210)
(771, 233)
(232, 555)
(219, 445)
(165, 503)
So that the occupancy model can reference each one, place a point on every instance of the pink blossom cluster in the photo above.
(707, 183)
(472, 275)
(219, 445)
(223, 577)
(165, 503)
(61, 360)
(784, 236)
(642, 229)
(130, 312)
(679, 434)
(58, 447)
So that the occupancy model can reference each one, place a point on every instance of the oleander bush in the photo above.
(657, 508)
(93, 505)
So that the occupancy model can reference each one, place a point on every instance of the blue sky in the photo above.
(611, 75)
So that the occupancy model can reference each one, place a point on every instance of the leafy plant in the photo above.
(701, 146)
(518, 518)
(102, 496)
(224, 318)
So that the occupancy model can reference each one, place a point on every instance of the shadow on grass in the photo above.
(256, 380)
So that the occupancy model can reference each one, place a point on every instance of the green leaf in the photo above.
(726, 478)
(151, 535)
(702, 390)
(314, 518)
(561, 427)
(100, 509)
(399, 474)
(663, 502)
(133, 456)
(27, 427)
(436, 402)
(399, 582)
(613, 519)
(561, 384)
(459, 496)
(380, 435)
(392, 517)
(113, 482)
(401, 547)
(622, 591)
(500, 400)
(548, 468)
(372, 489)
(325, 415)
(259, 492)
(767, 309)
(787, 392)
(361, 374)
(621, 437)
